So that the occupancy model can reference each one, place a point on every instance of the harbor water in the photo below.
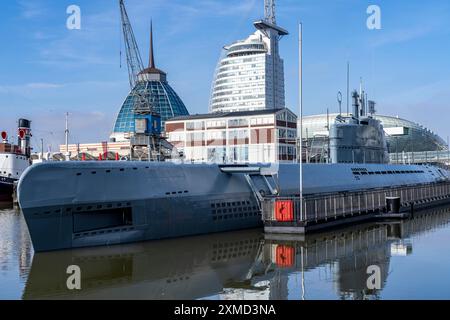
(410, 258)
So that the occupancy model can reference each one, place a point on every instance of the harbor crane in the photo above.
(134, 60)
(146, 138)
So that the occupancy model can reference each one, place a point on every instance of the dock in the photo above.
(297, 216)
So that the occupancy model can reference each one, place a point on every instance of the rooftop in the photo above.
(227, 114)
(263, 25)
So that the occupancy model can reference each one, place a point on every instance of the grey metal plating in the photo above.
(76, 204)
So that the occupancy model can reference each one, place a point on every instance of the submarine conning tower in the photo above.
(358, 138)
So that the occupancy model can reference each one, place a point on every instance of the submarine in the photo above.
(83, 204)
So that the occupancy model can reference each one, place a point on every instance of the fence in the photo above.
(320, 208)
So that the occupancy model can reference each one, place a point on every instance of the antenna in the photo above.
(362, 98)
(348, 88)
(339, 99)
(269, 10)
(42, 148)
(67, 137)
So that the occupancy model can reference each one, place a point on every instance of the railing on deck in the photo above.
(286, 210)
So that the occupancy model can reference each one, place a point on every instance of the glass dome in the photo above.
(151, 84)
(161, 96)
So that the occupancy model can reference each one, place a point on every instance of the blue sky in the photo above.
(46, 69)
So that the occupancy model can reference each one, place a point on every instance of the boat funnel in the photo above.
(24, 137)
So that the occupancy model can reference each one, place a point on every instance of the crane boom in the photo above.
(134, 60)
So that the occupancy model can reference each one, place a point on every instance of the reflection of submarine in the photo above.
(229, 265)
(189, 268)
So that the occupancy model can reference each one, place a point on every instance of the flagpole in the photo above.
(301, 114)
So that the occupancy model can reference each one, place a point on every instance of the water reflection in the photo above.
(348, 253)
(240, 265)
(188, 268)
(16, 251)
(15, 244)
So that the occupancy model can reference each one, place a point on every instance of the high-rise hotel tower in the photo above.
(250, 75)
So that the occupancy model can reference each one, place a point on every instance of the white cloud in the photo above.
(40, 36)
(36, 87)
(28, 87)
(403, 35)
(31, 9)
(43, 85)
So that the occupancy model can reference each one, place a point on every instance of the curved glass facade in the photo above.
(406, 136)
(416, 138)
(161, 96)
(250, 75)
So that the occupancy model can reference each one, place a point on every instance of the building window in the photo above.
(215, 135)
(216, 124)
(282, 133)
(217, 155)
(261, 121)
(197, 125)
(238, 123)
(238, 134)
(238, 154)
(176, 136)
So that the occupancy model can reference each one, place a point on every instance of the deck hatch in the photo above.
(102, 219)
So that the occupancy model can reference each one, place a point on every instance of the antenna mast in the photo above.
(269, 9)
(67, 137)
(134, 60)
(348, 89)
